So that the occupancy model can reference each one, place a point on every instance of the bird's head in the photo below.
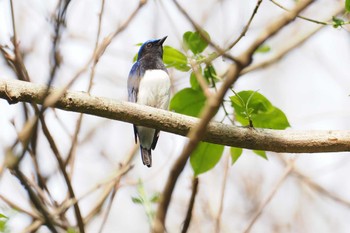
(152, 48)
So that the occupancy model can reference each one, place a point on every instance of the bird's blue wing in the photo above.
(133, 87)
(134, 82)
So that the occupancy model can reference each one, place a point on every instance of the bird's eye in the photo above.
(149, 45)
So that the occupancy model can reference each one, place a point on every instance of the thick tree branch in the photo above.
(290, 141)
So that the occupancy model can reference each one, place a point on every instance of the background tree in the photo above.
(278, 69)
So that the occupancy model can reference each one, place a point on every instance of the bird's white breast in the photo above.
(154, 89)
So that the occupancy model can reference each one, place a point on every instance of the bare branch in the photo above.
(302, 17)
(48, 220)
(221, 206)
(188, 217)
(60, 161)
(257, 214)
(291, 45)
(245, 29)
(51, 99)
(72, 149)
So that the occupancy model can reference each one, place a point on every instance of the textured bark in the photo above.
(292, 141)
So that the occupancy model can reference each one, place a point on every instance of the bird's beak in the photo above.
(161, 41)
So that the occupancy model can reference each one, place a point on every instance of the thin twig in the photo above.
(58, 156)
(301, 17)
(72, 149)
(49, 222)
(40, 179)
(17, 61)
(315, 186)
(53, 98)
(58, 24)
(262, 206)
(13, 22)
(32, 227)
(19, 208)
(124, 168)
(290, 46)
(227, 115)
(245, 29)
(111, 183)
(188, 217)
(221, 206)
(199, 29)
(201, 80)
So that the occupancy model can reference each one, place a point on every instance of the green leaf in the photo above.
(235, 153)
(195, 42)
(194, 82)
(210, 74)
(135, 58)
(188, 101)
(259, 109)
(205, 157)
(263, 49)
(155, 198)
(337, 22)
(3, 225)
(261, 153)
(174, 58)
(136, 200)
(3, 222)
(347, 5)
(145, 201)
(72, 230)
(237, 101)
(136, 55)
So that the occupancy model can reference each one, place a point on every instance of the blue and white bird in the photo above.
(149, 84)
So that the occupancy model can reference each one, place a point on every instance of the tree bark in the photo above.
(288, 141)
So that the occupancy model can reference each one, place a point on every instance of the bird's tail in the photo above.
(146, 156)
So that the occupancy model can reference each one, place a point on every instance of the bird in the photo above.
(149, 84)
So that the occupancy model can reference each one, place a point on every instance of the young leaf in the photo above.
(205, 157)
(136, 55)
(194, 82)
(145, 201)
(337, 22)
(174, 58)
(136, 200)
(72, 230)
(259, 109)
(195, 42)
(261, 153)
(135, 58)
(347, 5)
(3, 222)
(263, 49)
(188, 101)
(210, 74)
(155, 198)
(2, 225)
(235, 153)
